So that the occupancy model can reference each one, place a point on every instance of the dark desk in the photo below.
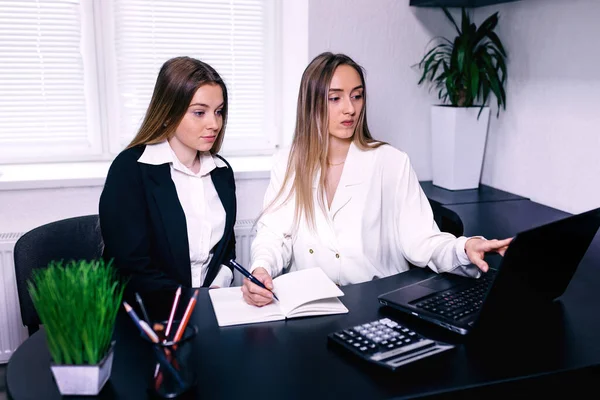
(440, 198)
(291, 359)
(483, 194)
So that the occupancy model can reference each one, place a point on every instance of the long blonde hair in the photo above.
(308, 154)
(177, 82)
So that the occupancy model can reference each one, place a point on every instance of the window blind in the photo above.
(233, 36)
(44, 90)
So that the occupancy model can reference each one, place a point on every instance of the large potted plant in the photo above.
(465, 72)
(77, 304)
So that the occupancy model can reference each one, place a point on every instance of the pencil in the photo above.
(186, 317)
(141, 324)
(149, 333)
(173, 309)
(138, 298)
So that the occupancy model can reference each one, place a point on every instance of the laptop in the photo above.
(536, 269)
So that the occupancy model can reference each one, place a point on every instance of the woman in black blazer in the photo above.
(168, 206)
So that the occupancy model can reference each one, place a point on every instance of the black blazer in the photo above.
(144, 227)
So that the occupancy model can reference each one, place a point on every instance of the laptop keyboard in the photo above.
(458, 303)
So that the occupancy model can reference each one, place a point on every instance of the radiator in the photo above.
(244, 234)
(12, 332)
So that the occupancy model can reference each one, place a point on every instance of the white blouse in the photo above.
(378, 222)
(204, 212)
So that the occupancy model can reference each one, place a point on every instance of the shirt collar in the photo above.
(161, 153)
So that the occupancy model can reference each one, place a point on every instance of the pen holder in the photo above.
(174, 373)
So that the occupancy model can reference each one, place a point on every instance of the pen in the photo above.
(173, 309)
(248, 275)
(138, 298)
(149, 333)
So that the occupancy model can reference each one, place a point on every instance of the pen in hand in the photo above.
(248, 275)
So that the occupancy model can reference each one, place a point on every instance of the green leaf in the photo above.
(465, 21)
(474, 81)
(486, 27)
(449, 16)
(496, 40)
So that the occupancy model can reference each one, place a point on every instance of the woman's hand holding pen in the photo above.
(254, 294)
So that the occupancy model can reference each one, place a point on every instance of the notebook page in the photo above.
(231, 309)
(329, 306)
(300, 287)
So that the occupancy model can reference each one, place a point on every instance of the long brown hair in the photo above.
(178, 80)
(308, 154)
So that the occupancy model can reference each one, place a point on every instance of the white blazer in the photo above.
(378, 222)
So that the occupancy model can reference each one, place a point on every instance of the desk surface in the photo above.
(482, 194)
(291, 359)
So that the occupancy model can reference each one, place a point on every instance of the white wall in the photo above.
(386, 37)
(23, 210)
(546, 144)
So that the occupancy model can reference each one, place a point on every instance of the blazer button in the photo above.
(337, 255)
(310, 251)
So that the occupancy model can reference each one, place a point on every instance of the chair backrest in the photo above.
(68, 239)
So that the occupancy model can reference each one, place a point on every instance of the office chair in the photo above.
(68, 239)
(447, 220)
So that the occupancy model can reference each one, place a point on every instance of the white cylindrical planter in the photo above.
(458, 143)
(83, 380)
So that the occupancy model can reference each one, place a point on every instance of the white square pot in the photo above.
(83, 379)
(458, 143)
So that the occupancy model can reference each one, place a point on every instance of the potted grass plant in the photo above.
(77, 303)
(466, 72)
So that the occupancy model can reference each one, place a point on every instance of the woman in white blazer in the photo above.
(346, 203)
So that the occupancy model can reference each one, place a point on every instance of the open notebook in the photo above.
(301, 293)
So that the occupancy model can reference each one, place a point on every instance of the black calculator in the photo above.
(386, 343)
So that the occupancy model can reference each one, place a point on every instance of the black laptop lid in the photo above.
(538, 266)
(546, 257)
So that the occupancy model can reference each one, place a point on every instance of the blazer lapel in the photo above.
(353, 175)
(226, 191)
(173, 219)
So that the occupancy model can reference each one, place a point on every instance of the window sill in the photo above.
(93, 173)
